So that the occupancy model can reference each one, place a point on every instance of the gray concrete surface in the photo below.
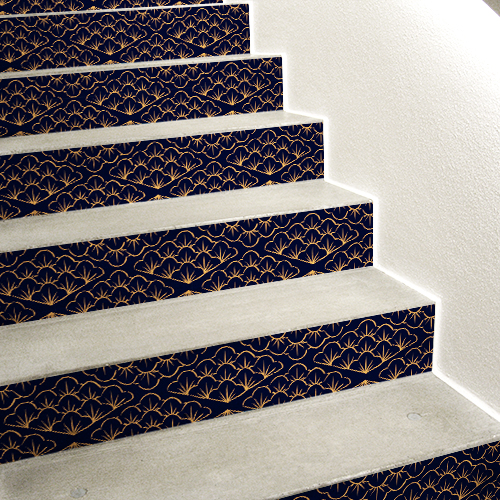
(163, 7)
(265, 454)
(149, 131)
(82, 341)
(173, 213)
(134, 65)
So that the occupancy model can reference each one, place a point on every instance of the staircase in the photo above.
(188, 309)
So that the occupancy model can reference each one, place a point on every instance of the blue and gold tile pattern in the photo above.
(85, 39)
(472, 474)
(76, 179)
(102, 404)
(10, 7)
(75, 101)
(80, 277)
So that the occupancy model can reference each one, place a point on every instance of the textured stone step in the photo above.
(16, 7)
(43, 101)
(80, 261)
(170, 162)
(124, 36)
(284, 450)
(219, 377)
(67, 344)
(471, 474)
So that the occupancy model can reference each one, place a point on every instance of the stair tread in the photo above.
(119, 9)
(269, 453)
(150, 131)
(83, 341)
(172, 213)
(23, 8)
(134, 65)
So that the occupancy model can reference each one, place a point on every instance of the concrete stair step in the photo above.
(68, 344)
(78, 261)
(57, 100)
(111, 374)
(118, 165)
(276, 452)
(26, 7)
(121, 36)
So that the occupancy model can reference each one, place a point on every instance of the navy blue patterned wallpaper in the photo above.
(472, 474)
(83, 39)
(76, 179)
(32, 6)
(92, 406)
(80, 277)
(74, 101)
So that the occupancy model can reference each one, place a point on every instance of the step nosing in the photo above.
(319, 441)
(173, 213)
(124, 9)
(151, 131)
(67, 344)
(138, 65)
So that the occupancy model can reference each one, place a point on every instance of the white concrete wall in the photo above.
(411, 92)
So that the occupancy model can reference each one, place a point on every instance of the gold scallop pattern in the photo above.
(85, 39)
(58, 181)
(76, 101)
(9, 7)
(131, 398)
(80, 277)
(472, 474)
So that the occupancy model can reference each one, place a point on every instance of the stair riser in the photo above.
(33, 6)
(82, 277)
(472, 474)
(55, 181)
(136, 397)
(31, 43)
(75, 101)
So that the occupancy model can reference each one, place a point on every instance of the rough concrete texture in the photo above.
(494, 4)
(172, 213)
(265, 454)
(82, 341)
(150, 131)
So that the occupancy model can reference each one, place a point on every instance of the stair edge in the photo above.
(176, 463)
(173, 213)
(78, 342)
(151, 131)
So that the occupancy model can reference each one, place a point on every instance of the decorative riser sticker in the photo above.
(33, 6)
(106, 403)
(473, 474)
(74, 101)
(31, 43)
(76, 179)
(80, 277)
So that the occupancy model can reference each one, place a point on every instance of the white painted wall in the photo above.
(411, 91)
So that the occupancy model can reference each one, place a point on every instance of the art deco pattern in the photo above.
(76, 179)
(87, 276)
(107, 403)
(125, 36)
(473, 474)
